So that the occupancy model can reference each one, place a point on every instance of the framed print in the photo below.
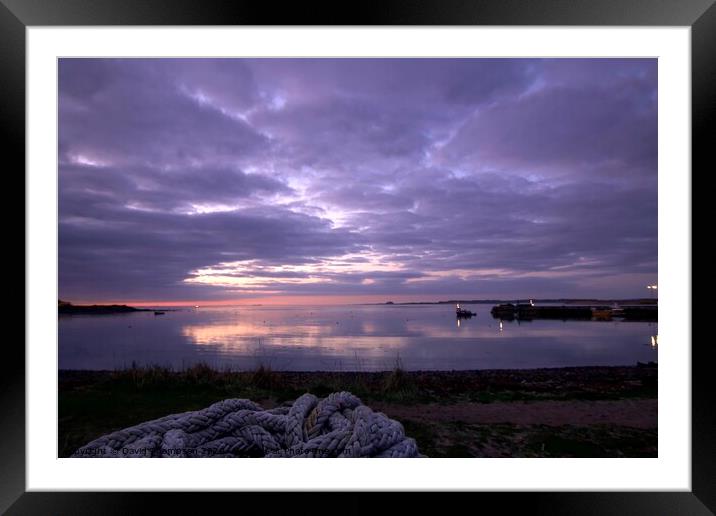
(432, 235)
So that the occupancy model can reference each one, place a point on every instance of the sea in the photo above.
(346, 338)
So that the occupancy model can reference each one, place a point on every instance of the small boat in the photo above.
(158, 312)
(461, 312)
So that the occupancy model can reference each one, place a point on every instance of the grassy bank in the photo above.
(588, 411)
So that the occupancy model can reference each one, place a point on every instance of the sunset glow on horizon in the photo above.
(277, 300)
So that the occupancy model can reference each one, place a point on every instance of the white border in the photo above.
(670, 471)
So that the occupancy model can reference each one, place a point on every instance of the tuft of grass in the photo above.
(202, 373)
(263, 377)
(399, 384)
(143, 376)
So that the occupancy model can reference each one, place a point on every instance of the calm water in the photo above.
(345, 338)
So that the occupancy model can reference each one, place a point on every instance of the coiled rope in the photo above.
(336, 426)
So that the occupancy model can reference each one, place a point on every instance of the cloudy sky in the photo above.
(368, 179)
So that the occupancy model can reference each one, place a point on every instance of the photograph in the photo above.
(349, 257)
(420, 238)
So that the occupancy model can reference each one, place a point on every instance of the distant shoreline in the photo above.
(65, 308)
(70, 309)
(570, 301)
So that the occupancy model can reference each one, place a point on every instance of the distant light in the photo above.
(654, 341)
(196, 306)
(652, 287)
(500, 325)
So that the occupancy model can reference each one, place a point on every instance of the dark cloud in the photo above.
(222, 178)
(562, 127)
(132, 253)
(159, 189)
(152, 113)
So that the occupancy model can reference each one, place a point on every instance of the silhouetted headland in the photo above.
(63, 307)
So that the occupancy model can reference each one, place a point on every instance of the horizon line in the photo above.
(338, 299)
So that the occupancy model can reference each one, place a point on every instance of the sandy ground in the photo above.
(637, 413)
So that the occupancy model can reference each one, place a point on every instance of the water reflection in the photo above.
(229, 334)
(247, 336)
(350, 338)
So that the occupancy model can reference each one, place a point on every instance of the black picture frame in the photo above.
(17, 15)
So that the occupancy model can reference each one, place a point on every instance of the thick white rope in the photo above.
(336, 426)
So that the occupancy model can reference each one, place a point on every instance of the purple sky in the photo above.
(398, 178)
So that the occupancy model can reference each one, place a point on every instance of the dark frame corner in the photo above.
(700, 15)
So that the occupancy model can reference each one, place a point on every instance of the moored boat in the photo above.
(462, 312)
(602, 314)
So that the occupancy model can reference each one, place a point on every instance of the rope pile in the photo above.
(336, 426)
